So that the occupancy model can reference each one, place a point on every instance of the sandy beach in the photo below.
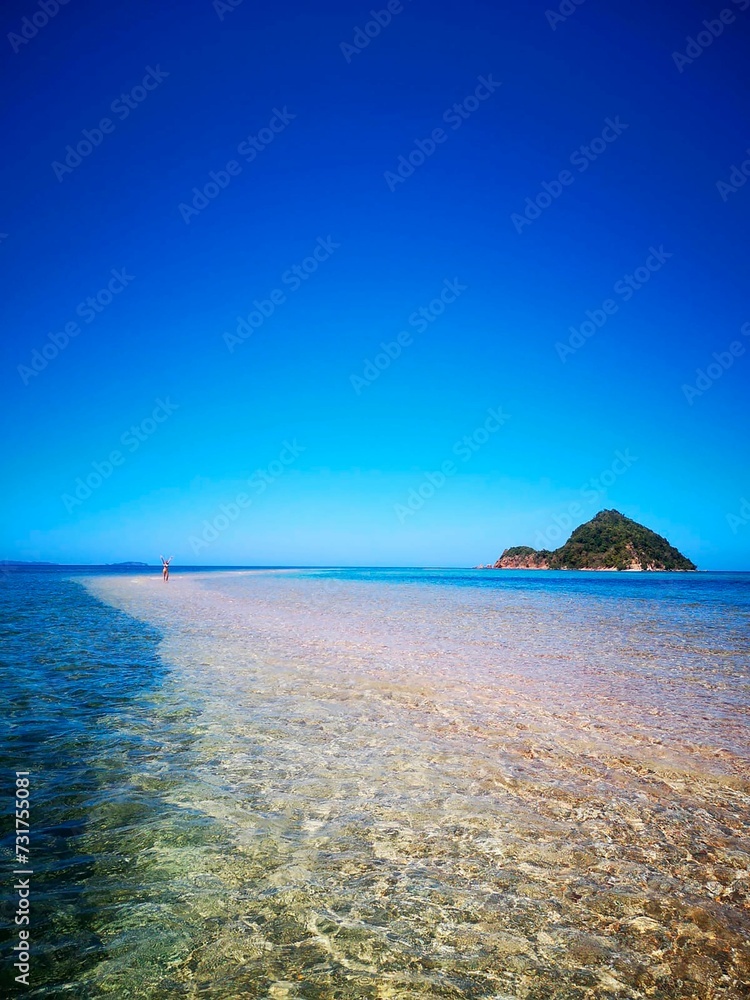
(440, 789)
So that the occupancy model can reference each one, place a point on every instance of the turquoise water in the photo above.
(382, 783)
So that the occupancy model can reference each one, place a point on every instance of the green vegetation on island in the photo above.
(608, 541)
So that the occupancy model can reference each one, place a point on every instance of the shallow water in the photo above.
(413, 784)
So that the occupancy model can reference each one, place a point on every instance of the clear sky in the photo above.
(465, 182)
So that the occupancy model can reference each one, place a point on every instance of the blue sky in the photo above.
(542, 164)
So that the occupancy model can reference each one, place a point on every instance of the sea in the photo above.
(378, 783)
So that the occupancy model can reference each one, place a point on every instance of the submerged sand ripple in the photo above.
(444, 792)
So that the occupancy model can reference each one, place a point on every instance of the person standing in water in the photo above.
(165, 567)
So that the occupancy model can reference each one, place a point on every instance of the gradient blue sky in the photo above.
(323, 176)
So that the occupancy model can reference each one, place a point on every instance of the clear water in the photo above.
(384, 784)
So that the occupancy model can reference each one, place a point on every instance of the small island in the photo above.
(609, 541)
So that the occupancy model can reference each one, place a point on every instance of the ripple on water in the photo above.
(378, 788)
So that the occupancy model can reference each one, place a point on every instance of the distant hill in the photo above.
(20, 562)
(608, 541)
